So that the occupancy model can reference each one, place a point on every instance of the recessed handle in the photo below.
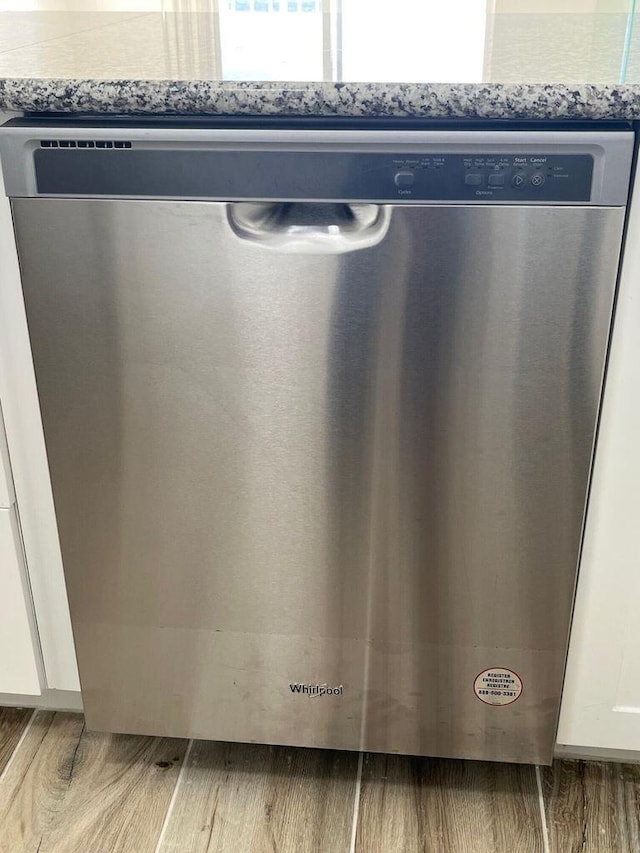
(310, 227)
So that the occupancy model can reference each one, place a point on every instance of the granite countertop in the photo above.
(289, 57)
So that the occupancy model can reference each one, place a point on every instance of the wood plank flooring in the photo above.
(423, 804)
(592, 805)
(66, 790)
(71, 791)
(13, 722)
(262, 798)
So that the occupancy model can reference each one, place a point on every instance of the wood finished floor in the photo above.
(66, 790)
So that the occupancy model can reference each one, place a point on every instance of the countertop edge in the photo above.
(424, 100)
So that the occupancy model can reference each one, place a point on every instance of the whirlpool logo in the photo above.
(317, 689)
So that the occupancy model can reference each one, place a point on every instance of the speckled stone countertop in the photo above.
(234, 61)
(460, 100)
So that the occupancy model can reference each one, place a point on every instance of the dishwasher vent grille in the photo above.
(83, 143)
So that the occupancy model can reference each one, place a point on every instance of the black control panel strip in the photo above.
(319, 123)
(103, 168)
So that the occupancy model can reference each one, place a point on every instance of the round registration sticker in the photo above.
(498, 686)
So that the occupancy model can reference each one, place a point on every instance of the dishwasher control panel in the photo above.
(124, 168)
(513, 177)
(210, 159)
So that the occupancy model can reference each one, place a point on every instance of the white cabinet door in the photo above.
(601, 701)
(19, 669)
(6, 486)
(19, 400)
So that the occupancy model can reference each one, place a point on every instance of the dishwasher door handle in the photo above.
(310, 227)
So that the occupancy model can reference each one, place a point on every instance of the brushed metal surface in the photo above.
(365, 469)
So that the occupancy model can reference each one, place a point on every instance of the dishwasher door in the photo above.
(321, 482)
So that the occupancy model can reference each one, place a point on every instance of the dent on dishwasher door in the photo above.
(320, 485)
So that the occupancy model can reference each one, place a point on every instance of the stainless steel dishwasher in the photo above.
(319, 408)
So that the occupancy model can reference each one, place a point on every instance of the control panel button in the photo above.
(518, 180)
(473, 179)
(496, 180)
(404, 179)
(537, 180)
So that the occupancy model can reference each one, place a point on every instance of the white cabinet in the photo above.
(6, 485)
(19, 654)
(20, 662)
(33, 496)
(601, 701)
